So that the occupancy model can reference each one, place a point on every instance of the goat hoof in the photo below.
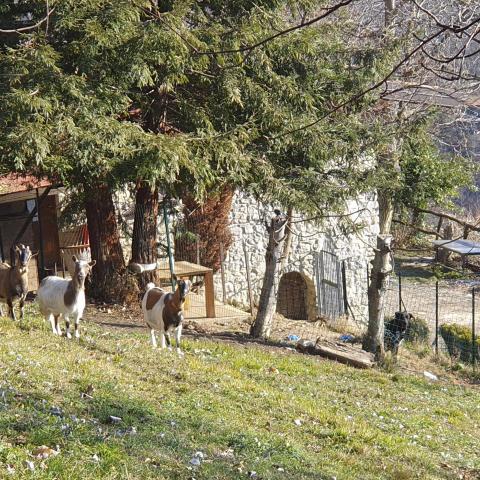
(180, 353)
(69, 335)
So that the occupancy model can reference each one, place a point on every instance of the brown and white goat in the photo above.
(14, 280)
(163, 311)
(58, 296)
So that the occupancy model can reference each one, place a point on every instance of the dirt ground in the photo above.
(131, 318)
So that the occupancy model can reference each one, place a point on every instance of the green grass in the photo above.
(236, 404)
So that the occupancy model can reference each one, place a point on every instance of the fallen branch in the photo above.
(340, 353)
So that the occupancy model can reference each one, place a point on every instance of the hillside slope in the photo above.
(278, 414)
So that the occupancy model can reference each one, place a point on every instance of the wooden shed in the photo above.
(29, 215)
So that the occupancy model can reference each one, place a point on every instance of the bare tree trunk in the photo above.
(385, 211)
(144, 239)
(381, 264)
(268, 300)
(104, 241)
(379, 279)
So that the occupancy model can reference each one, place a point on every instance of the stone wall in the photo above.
(248, 228)
(249, 235)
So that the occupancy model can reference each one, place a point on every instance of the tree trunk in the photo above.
(144, 240)
(104, 242)
(268, 300)
(385, 211)
(287, 248)
(379, 279)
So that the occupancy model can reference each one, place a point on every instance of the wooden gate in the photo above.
(330, 284)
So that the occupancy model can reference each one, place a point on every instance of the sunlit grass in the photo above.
(276, 413)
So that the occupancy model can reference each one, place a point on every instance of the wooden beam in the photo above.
(466, 224)
(420, 229)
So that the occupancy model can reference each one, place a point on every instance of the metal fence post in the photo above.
(344, 287)
(169, 245)
(222, 273)
(474, 353)
(400, 309)
(249, 282)
(436, 317)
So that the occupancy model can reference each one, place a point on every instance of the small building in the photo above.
(29, 212)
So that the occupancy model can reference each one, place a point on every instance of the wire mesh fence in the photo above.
(447, 310)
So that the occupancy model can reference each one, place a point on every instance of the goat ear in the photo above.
(175, 278)
(17, 249)
(34, 254)
(411, 317)
(74, 258)
(92, 263)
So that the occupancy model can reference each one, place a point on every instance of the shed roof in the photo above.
(14, 183)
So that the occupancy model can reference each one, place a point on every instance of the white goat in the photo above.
(59, 296)
(163, 311)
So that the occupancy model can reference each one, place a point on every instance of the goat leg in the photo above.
(67, 328)
(11, 310)
(167, 339)
(22, 306)
(178, 334)
(77, 327)
(57, 328)
(154, 340)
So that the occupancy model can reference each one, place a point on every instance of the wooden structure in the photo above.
(28, 214)
(464, 248)
(74, 241)
(189, 270)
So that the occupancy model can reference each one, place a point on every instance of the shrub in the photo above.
(417, 331)
(458, 339)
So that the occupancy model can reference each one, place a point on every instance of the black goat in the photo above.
(395, 331)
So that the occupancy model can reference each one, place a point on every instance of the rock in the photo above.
(298, 422)
(45, 452)
(30, 465)
(56, 411)
(430, 376)
(114, 419)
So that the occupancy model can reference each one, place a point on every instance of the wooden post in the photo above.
(249, 281)
(209, 295)
(439, 227)
(40, 234)
(2, 253)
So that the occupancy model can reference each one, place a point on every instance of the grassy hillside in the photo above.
(276, 413)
